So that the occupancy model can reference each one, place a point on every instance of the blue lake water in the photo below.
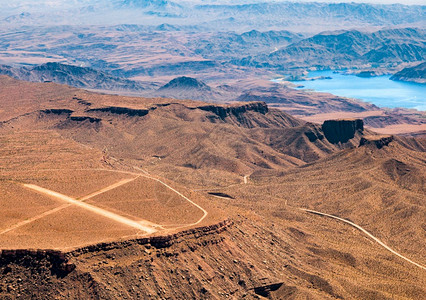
(377, 90)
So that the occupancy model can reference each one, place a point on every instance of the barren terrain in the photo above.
(161, 149)
(126, 197)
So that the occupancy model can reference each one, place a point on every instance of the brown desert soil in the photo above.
(162, 162)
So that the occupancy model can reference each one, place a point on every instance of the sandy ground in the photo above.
(400, 129)
(92, 208)
(70, 205)
(117, 202)
(319, 118)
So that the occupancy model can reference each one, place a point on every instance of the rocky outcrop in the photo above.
(159, 242)
(341, 131)
(226, 111)
(376, 141)
(57, 111)
(57, 260)
(122, 111)
(85, 118)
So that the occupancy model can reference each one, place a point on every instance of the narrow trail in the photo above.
(147, 175)
(57, 209)
(25, 222)
(365, 232)
(205, 213)
(92, 208)
(245, 181)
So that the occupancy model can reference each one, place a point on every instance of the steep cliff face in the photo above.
(376, 141)
(121, 111)
(211, 262)
(341, 131)
(237, 110)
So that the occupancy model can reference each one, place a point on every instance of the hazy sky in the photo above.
(423, 2)
(70, 3)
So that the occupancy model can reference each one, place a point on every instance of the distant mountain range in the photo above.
(347, 49)
(153, 4)
(72, 75)
(226, 45)
(221, 17)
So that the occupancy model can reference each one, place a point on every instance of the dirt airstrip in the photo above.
(51, 200)
(125, 198)
(133, 205)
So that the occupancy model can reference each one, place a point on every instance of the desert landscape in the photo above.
(169, 150)
(198, 214)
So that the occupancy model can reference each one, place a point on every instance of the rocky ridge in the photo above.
(412, 74)
(81, 77)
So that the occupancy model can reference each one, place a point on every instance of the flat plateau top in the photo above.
(63, 209)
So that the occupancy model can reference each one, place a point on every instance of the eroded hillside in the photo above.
(220, 192)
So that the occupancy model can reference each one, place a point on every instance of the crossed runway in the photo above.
(143, 225)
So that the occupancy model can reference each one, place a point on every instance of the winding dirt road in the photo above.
(205, 213)
(365, 232)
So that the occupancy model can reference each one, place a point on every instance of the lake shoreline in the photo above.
(378, 90)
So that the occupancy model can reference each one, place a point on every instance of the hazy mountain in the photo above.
(240, 17)
(191, 88)
(72, 75)
(157, 4)
(291, 13)
(226, 45)
(348, 49)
